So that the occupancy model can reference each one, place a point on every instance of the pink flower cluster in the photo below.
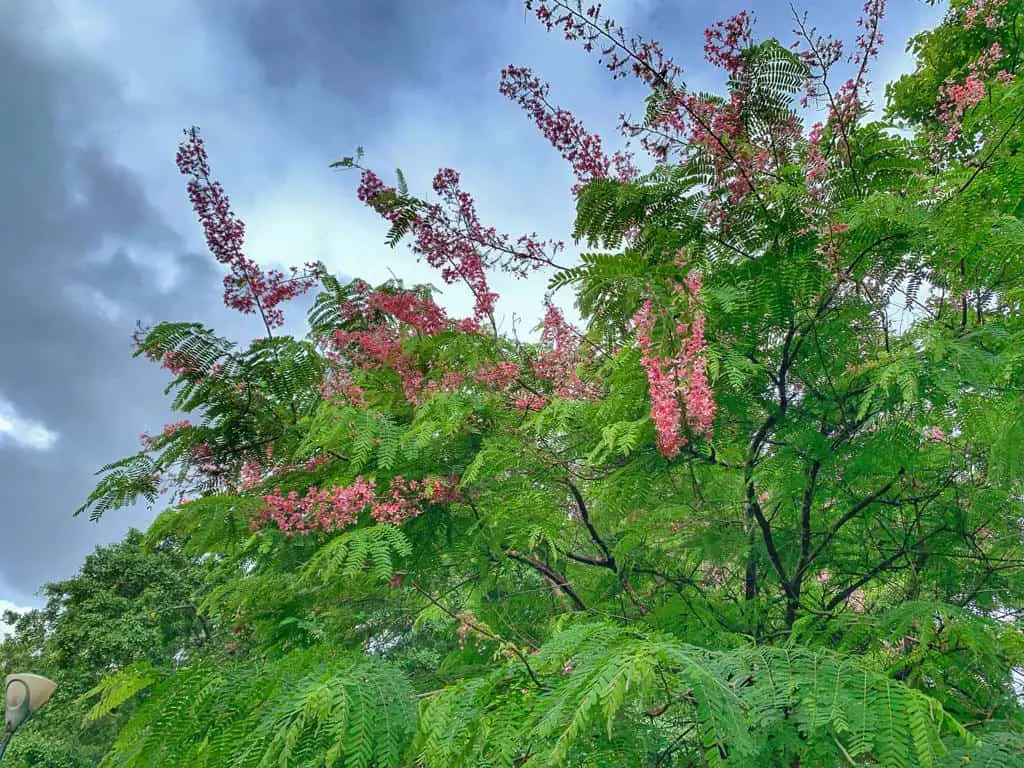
(498, 375)
(956, 98)
(984, 11)
(250, 476)
(530, 401)
(405, 498)
(381, 344)
(824, 51)
(561, 357)
(678, 385)
(566, 133)
(455, 242)
(203, 461)
(337, 386)
(725, 41)
(646, 58)
(332, 510)
(870, 40)
(247, 288)
(816, 167)
(684, 123)
(419, 312)
(169, 431)
(181, 364)
(325, 510)
(935, 435)
(505, 376)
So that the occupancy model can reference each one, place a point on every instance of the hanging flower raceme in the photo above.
(955, 99)
(678, 384)
(247, 288)
(566, 133)
(983, 13)
(561, 356)
(451, 238)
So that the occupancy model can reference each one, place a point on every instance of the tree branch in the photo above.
(886, 563)
(483, 631)
(554, 577)
(585, 517)
(849, 515)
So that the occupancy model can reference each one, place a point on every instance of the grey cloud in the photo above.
(357, 49)
(64, 212)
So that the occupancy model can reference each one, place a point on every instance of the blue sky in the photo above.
(98, 233)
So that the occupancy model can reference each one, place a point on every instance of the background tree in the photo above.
(129, 604)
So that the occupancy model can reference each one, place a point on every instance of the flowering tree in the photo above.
(763, 508)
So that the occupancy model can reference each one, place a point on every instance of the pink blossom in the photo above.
(986, 10)
(247, 288)
(251, 476)
(381, 345)
(956, 98)
(583, 150)
(561, 357)
(318, 509)
(725, 42)
(337, 385)
(530, 401)
(326, 511)
(498, 375)
(645, 58)
(678, 384)
(451, 238)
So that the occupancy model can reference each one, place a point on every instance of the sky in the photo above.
(96, 233)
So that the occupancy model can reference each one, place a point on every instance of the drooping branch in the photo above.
(517, 652)
(556, 579)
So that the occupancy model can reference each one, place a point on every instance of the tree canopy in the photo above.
(763, 507)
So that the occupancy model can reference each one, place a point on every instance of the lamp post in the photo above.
(24, 695)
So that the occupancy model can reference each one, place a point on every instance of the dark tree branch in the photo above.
(554, 577)
(483, 631)
(581, 506)
(879, 568)
(847, 516)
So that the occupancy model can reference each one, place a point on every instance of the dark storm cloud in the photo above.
(64, 213)
(358, 49)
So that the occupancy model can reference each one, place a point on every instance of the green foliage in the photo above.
(308, 708)
(369, 549)
(833, 575)
(128, 612)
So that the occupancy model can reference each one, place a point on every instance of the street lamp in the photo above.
(24, 695)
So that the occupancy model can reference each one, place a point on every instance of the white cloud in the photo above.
(96, 301)
(7, 605)
(22, 431)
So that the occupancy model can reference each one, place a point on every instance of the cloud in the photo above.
(81, 238)
(23, 432)
(7, 605)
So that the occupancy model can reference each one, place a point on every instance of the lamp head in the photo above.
(24, 694)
